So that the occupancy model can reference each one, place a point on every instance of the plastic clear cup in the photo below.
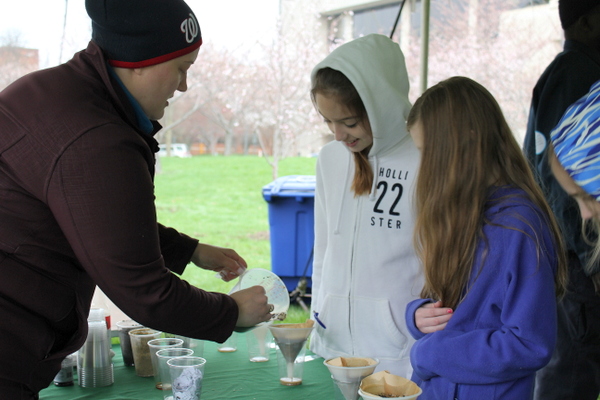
(156, 345)
(230, 345)
(258, 342)
(187, 374)
(141, 352)
(164, 373)
(124, 340)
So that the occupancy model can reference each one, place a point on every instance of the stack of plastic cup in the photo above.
(94, 363)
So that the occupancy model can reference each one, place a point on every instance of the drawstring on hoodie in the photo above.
(336, 231)
(373, 194)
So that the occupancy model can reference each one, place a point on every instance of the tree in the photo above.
(262, 95)
(15, 60)
(501, 45)
(217, 102)
(226, 87)
(192, 113)
(284, 118)
(282, 112)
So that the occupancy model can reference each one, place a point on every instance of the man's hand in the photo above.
(224, 261)
(252, 305)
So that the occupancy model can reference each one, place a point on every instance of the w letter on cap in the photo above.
(189, 26)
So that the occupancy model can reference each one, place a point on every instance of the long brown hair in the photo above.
(590, 232)
(332, 83)
(467, 148)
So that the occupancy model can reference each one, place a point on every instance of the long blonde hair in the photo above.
(467, 148)
(332, 83)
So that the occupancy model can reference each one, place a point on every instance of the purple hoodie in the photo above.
(504, 329)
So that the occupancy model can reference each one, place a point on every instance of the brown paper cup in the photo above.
(385, 385)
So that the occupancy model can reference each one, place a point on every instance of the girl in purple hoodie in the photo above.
(490, 249)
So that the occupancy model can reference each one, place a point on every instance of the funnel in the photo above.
(275, 289)
(348, 372)
(291, 338)
(387, 385)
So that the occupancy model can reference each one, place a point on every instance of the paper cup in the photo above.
(385, 385)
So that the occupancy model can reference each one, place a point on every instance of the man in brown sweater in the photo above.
(77, 157)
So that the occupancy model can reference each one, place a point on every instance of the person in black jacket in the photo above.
(574, 370)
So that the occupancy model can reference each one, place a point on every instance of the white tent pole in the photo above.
(424, 43)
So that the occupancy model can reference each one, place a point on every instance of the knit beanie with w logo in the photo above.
(140, 33)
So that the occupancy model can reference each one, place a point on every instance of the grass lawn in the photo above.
(218, 200)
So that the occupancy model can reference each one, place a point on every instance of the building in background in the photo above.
(15, 62)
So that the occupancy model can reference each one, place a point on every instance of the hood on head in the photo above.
(375, 65)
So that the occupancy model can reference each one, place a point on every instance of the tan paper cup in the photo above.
(385, 385)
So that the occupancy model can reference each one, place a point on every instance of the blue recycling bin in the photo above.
(291, 201)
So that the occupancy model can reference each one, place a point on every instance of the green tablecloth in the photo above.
(228, 376)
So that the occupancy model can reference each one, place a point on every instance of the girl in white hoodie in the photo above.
(365, 269)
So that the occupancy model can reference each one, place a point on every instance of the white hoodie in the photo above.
(365, 269)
